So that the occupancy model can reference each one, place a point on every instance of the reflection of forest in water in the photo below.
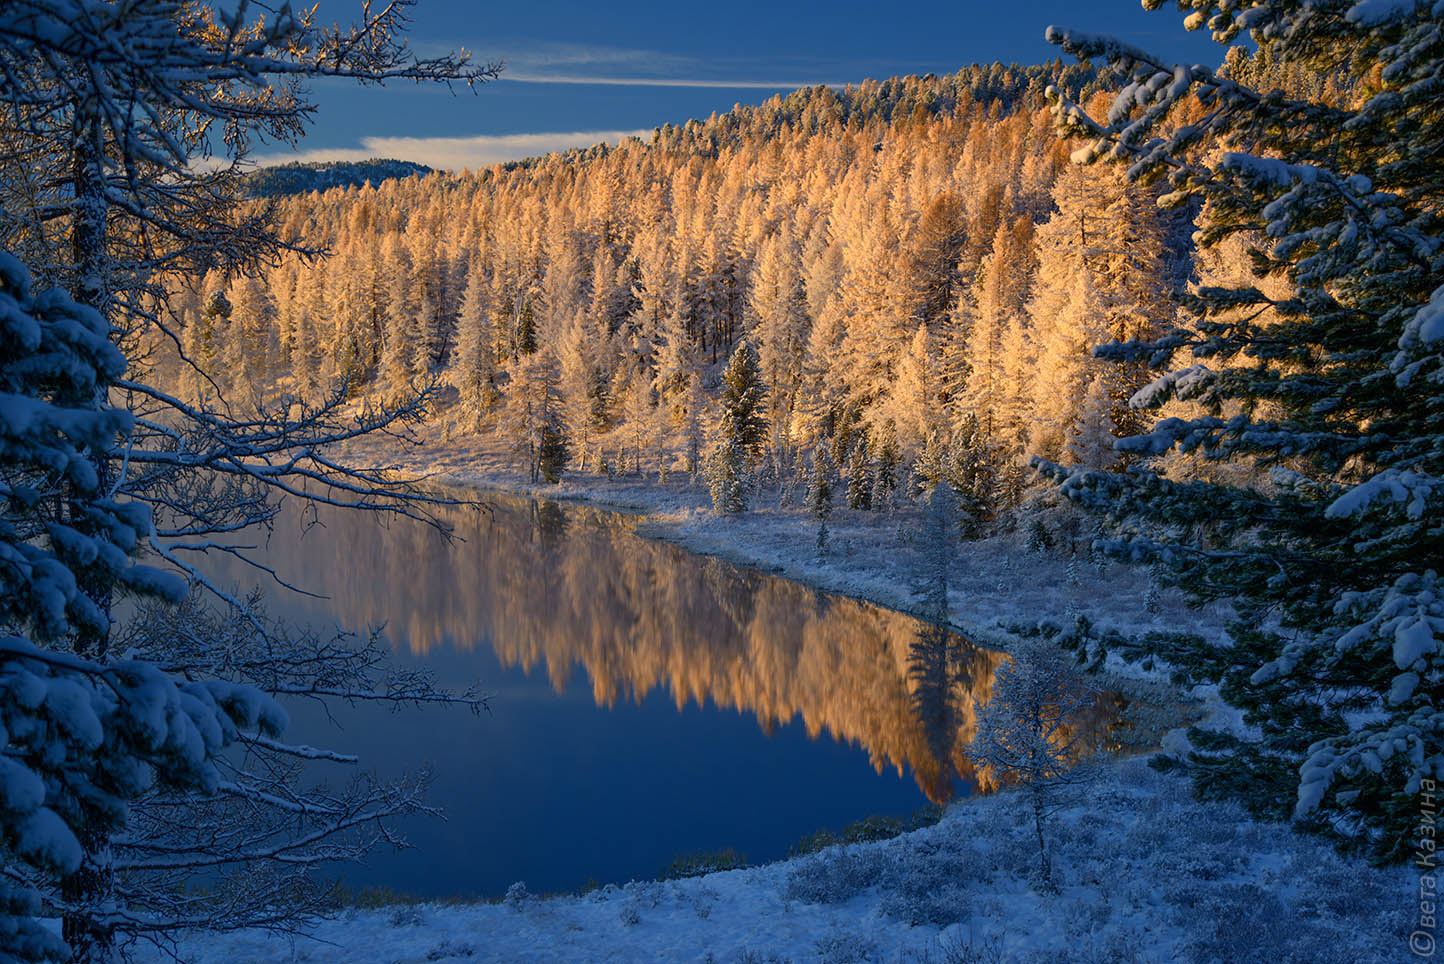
(577, 588)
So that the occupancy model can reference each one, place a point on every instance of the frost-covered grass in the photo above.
(1146, 874)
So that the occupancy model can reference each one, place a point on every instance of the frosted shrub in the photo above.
(1241, 922)
(832, 877)
(1185, 894)
(1210, 864)
(845, 948)
(923, 888)
(958, 948)
(406, 916)
(517, 895)
(1338, 890)
(1214, 827)
(648, 892)
(703, 900)
(446, 951)
(945, 903)
(1084, 917)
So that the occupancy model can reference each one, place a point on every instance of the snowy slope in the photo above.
(1146, 874)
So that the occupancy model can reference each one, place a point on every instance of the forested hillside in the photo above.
(916, 269)
(299, 178)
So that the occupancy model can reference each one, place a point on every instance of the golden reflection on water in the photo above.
(578, 589)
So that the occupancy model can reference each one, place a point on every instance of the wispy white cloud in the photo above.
(457, 153)
(529, 54)
(536, 78)
(600, 65)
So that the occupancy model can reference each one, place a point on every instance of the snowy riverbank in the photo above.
(1145, 874)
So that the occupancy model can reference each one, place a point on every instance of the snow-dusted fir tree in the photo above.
(859, 477)
(971, 471)
(1032, 732)
(725, 474)
(531, 414)
(398, 353)
(913, 405)
(744, 404)
(818, 498)
(1071, 321)
(779, 301)
(1101, 277)
(475, 370)
(889, 462)
(1090, 442)
(642, 427)
(1003, 288)
(1332, 396)
(693, 424)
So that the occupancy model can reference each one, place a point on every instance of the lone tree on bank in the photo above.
(744, 402)
(1031, 732)
(107, 107)
(819, 493)
(742, 434)
(1332, 392)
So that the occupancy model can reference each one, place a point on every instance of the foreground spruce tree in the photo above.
(1329, 400)
(114, 782)
(83, 739)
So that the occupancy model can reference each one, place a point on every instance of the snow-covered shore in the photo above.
(995, 581)
(1145, 874)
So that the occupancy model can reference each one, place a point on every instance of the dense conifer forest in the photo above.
(916, 270)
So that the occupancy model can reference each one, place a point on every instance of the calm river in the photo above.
(645, 702)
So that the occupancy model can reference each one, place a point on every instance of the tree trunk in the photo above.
(93, 884)
(1045, 868)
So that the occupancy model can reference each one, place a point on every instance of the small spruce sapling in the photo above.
(724, 477)
(819, 493)
(552, 452)
(1039, 538)
(859, 479)
(884, 485)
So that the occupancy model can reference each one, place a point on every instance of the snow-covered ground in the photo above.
(1145, 874)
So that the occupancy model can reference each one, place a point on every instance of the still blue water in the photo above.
(644, 702)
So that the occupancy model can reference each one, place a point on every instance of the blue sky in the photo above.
(582, 72)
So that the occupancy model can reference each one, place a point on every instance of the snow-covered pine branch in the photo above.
(1314, 495)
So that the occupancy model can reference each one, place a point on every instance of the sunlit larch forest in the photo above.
(914, 272)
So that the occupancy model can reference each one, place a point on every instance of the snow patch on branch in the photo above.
(1374, 13)
(1412, 488)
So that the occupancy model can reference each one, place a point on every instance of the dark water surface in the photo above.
(645, 702)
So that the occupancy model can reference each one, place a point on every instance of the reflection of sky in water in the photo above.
(646, 703)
